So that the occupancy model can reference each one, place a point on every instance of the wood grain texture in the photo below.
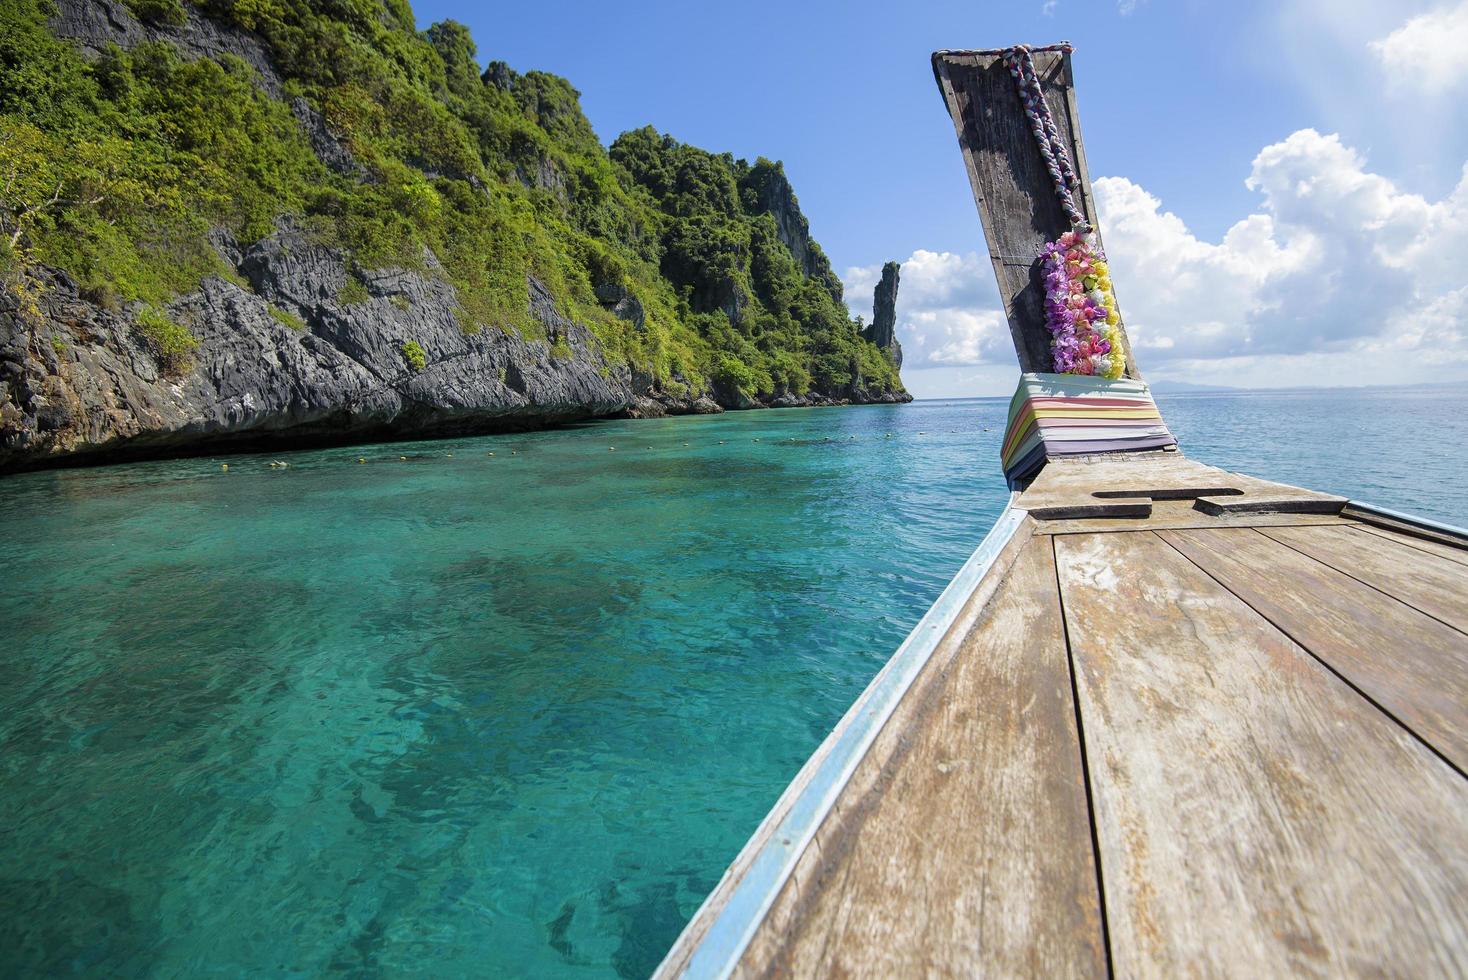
(1180, 514)
(1407, 526)
(676, 961)
(1451, 552)
(962, 845)
(1012, 188)
(1408, 663)
(1436, 586)
(1280, 500)
(1116, 484)
(1256, 816)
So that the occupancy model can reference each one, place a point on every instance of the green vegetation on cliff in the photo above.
(116, 168)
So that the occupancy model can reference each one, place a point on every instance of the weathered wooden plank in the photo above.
(1285, 500)
(962, 844)
(1181, 514)
(1408, 663)
(755, 871)
(1256, 816)
(1012, 188)
(1442, 549)
(1123, 485)
(1436, 586)
(1415, 527)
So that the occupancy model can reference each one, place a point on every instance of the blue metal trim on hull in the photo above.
(1436, 529)
(735, 925)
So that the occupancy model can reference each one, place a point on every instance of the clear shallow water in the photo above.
(510, 715)
(446, 716)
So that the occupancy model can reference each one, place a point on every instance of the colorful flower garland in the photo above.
(1080, 308)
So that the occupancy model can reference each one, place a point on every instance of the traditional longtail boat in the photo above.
(1167, 720)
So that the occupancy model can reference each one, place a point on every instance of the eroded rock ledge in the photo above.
(283, 360)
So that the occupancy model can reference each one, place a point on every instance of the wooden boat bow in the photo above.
(1010, 183)
(1167, 720)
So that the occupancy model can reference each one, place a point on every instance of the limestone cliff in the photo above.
(882, 331)
(300, 337)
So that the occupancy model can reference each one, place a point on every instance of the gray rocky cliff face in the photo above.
(622, 304)
(94, 24)
(324, 143)
(283, 360)
(882, 331)
(776, 197)
(82, 381)
(768, 190)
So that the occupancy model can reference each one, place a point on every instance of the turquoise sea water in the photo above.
(468, 715)
(1401, 448)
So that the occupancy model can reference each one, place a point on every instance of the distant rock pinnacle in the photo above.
(883, 328)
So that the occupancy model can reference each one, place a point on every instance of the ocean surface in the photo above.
(504, 705)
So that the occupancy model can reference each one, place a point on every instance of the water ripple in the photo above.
(463, 714)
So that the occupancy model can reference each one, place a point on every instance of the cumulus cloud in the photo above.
(948, 308)
(1426, 52)
(1338, 260)
(959, 337)
(1338, 272)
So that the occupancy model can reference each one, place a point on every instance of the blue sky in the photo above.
(1274, 177)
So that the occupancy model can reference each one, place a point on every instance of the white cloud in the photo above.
(1426, 52)
(948, 309)
(1338, 261)
(958, 337)
(1326, 59)
(1339, 277)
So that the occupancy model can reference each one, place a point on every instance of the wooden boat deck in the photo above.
(1150, 740)
(1167, 720)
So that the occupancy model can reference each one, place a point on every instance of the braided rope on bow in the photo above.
(1052, 150)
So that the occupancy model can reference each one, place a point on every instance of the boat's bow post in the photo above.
(1274, 613)
(1080, 392)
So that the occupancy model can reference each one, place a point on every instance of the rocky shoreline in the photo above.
(283, 360)
(295, 344)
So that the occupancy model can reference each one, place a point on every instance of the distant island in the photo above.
(229, 224)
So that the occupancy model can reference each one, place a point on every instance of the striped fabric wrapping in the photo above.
(1069, 414)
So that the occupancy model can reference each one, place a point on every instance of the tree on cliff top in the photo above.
(498, 174)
